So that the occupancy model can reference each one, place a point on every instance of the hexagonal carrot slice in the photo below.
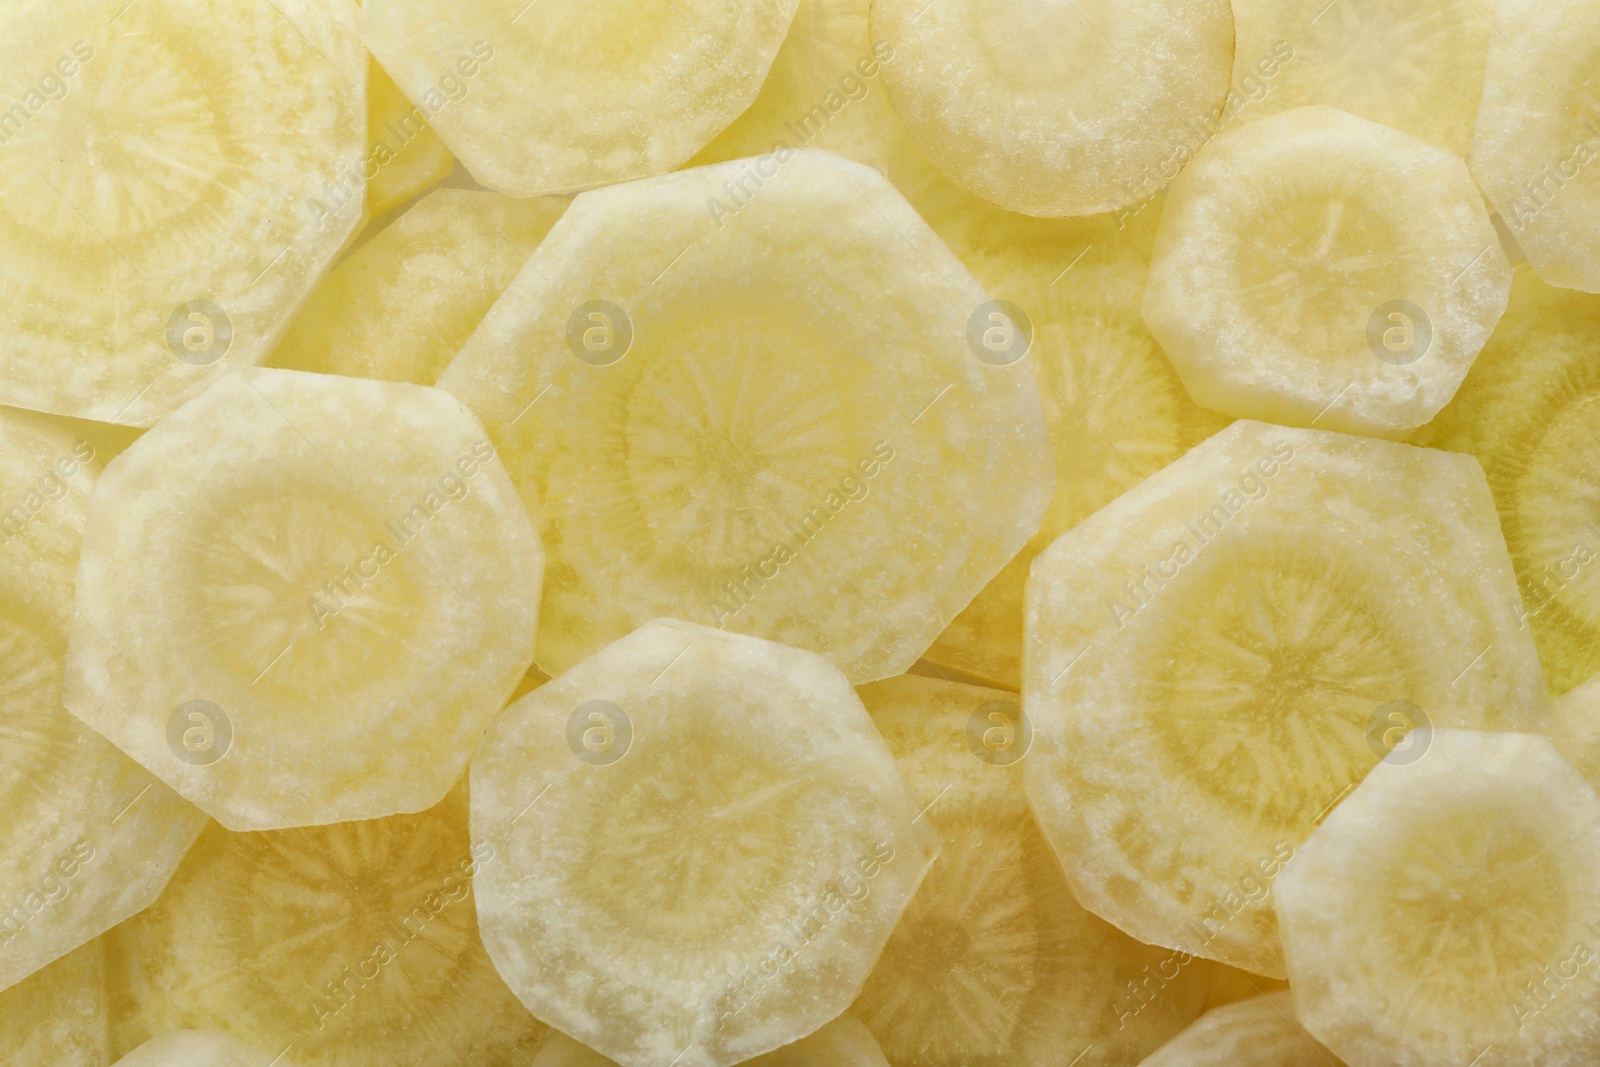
(87, 836)
(542, 98)
(169, 191)
(720, 411)
(705, 846)
(1538, 135)
(1057, 109)
(1317, 269)
(303, 596)
(1445, 912)
(1215, 659)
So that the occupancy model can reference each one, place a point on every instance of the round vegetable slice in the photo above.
(705, 846)
(1314, 268)
(336, 945)
(194, 168)
(995, 962)
(1216, 658)
(1538, 132)
(1116, 410)
(1444, 912)
(199, 1048)
(302, 597)
(557, 97)
(1413, 65)
(87, 836)
(57, 1015)
(720, 412)
(1057, 109)
(1530, 413)
(400, 306)
(1259, 1032)
(842, 1043)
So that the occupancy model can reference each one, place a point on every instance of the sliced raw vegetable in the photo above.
(1215, 659)
(87, 836)
(540, 98)
(720, 411)
(338, 946)
(302, 597)
(1538, 135)
(702, 845)
(1317, 269)
(1057, 109)
(1445, 912)
(165, 211)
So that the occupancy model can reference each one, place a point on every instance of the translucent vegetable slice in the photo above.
(87, 836)
(842, 1043)
(302, 597)
(1057, 109)
(1413, 65)
(1314, 268)
(677, 467)
(1529, 412)
(400, 306)
(199, 1048)
(1243, 636)
(164, 209)
(348, 944)
(1116, 410)
(1535, 146)
(56, 1017)
(825, 90)
(1260, 1032)
(550, 98)
(995, 962)
(705, 846)
(404, 155)
(1444, 913)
